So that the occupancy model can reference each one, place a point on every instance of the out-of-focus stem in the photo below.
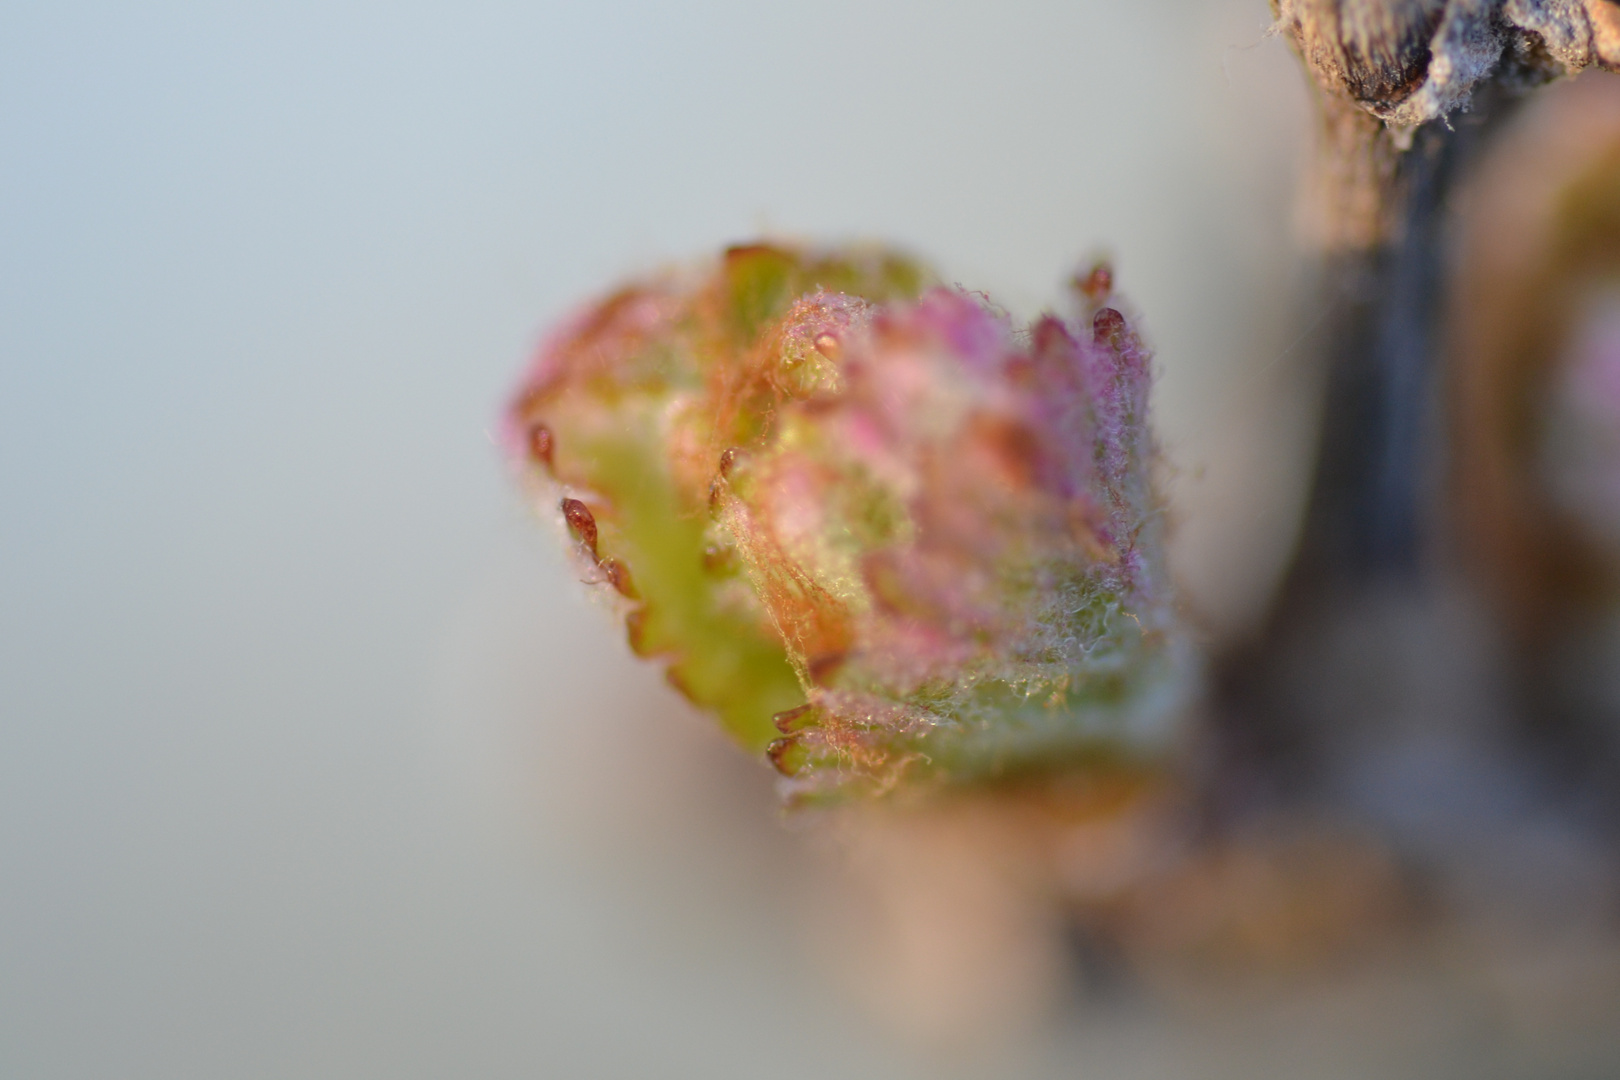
(1377, 210)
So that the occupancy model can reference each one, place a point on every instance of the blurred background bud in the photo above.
(1534, 334)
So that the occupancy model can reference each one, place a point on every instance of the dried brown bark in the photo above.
(1384, 68)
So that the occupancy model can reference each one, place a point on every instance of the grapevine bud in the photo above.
(924, 541)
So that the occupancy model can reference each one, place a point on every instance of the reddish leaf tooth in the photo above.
(719, 560)
(1107, 327)
(542, 445)
(581, 523)
(618, 576)
(777, 753)
(822, 668)
(1097, 285)
(793, 720)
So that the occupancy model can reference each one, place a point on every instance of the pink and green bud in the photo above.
(883, 533)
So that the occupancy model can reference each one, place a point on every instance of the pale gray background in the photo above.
(303, 770)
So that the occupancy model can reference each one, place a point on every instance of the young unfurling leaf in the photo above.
(886, 535)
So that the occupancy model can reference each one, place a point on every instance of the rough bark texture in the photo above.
(1387, 67)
